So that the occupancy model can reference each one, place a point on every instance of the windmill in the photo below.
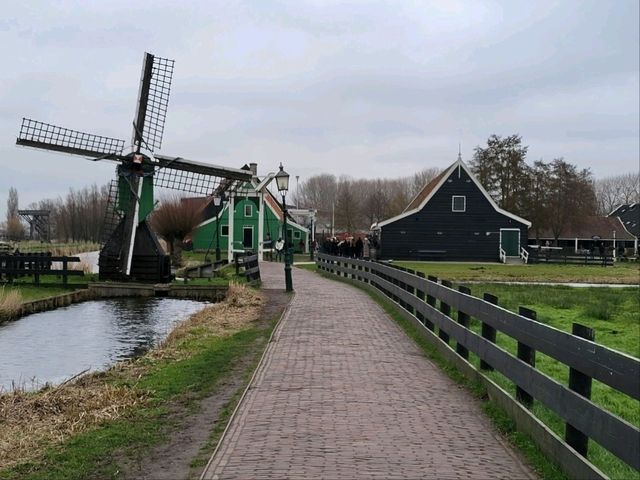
(130, 250)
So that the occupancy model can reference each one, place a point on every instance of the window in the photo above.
(248, 210)
(224, 230)
(296, 234)
(458, 203)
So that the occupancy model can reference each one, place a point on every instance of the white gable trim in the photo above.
(445, 177)
(624, 227)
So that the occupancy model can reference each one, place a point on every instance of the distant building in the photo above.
(590, 234)
(629, 215)
(452, 218)
(256, 222)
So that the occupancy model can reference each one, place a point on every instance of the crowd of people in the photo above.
(360, 247)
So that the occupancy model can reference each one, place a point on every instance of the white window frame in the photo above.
(222, 227)
(453, 203)
(250, 210)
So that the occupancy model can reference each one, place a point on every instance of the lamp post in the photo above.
(217, 201)
(282, 182)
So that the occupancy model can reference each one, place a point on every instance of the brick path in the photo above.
(342, 393)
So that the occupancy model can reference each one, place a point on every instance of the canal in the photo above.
(52, 346)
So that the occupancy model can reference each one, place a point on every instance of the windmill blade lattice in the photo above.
(34, 133)
(153, 101)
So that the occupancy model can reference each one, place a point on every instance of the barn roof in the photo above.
(430, 189)
(603, 227)
(424, 193)
(629, 215)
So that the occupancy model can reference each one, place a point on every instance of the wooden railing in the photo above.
(550, 256)
(249, 261)
(587, 360)
(19, 264)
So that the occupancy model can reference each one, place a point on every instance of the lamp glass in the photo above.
(282, 180)
(217, 200)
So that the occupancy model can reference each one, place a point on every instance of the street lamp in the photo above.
(217, 201)
(282, 182)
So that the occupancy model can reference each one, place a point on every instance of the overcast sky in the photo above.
(368, 89)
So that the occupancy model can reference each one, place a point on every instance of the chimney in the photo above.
(254, 169)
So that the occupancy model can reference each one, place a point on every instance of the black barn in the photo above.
(452, 218)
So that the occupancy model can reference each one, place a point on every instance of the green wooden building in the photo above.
(256, 222)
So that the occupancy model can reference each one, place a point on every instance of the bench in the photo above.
(429, 253)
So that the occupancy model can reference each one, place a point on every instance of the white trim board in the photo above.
(445, 177)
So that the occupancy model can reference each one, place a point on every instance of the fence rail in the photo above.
(418, 295)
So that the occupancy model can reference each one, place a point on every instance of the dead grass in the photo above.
(29, 422)
(10, 303)
(240, 309)
(83, 265)
(33, 421)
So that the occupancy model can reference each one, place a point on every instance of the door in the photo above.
(510, 241)
(247, 237)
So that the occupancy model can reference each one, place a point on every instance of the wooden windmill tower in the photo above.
(130, 249)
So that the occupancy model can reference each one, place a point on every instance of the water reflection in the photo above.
(52, 346)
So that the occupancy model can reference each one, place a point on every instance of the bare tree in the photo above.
(14, 228)
(617, 190)
(173, 220)
(571, 196)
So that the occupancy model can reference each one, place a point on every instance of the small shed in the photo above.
(453, 218)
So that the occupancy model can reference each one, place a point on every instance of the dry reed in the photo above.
(10, 303)
(32, 421)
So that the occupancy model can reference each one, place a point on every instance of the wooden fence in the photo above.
(19, 264)
(418, 297)
(569, 258)
(249, 261)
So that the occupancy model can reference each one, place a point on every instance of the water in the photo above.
(52, 346)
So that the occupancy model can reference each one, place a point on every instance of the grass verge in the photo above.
(190, 365)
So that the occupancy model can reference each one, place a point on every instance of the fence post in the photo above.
(412, 291)
(36, 272)
(64, 270)
(463, 319)
(488, 331)
(420, 295)
(431, 300)
(527, 355)
(581, 384)
(446, 309)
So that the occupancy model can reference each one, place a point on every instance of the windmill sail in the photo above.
(153, 100)
(34, 133)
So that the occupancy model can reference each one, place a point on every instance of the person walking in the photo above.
(279, 249)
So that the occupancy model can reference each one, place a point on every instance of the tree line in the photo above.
(352, 204)
(76, 217)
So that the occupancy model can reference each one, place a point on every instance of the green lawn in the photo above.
(31, 292)
(623, 272)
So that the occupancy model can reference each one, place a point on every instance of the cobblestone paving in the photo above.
(342, 393)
